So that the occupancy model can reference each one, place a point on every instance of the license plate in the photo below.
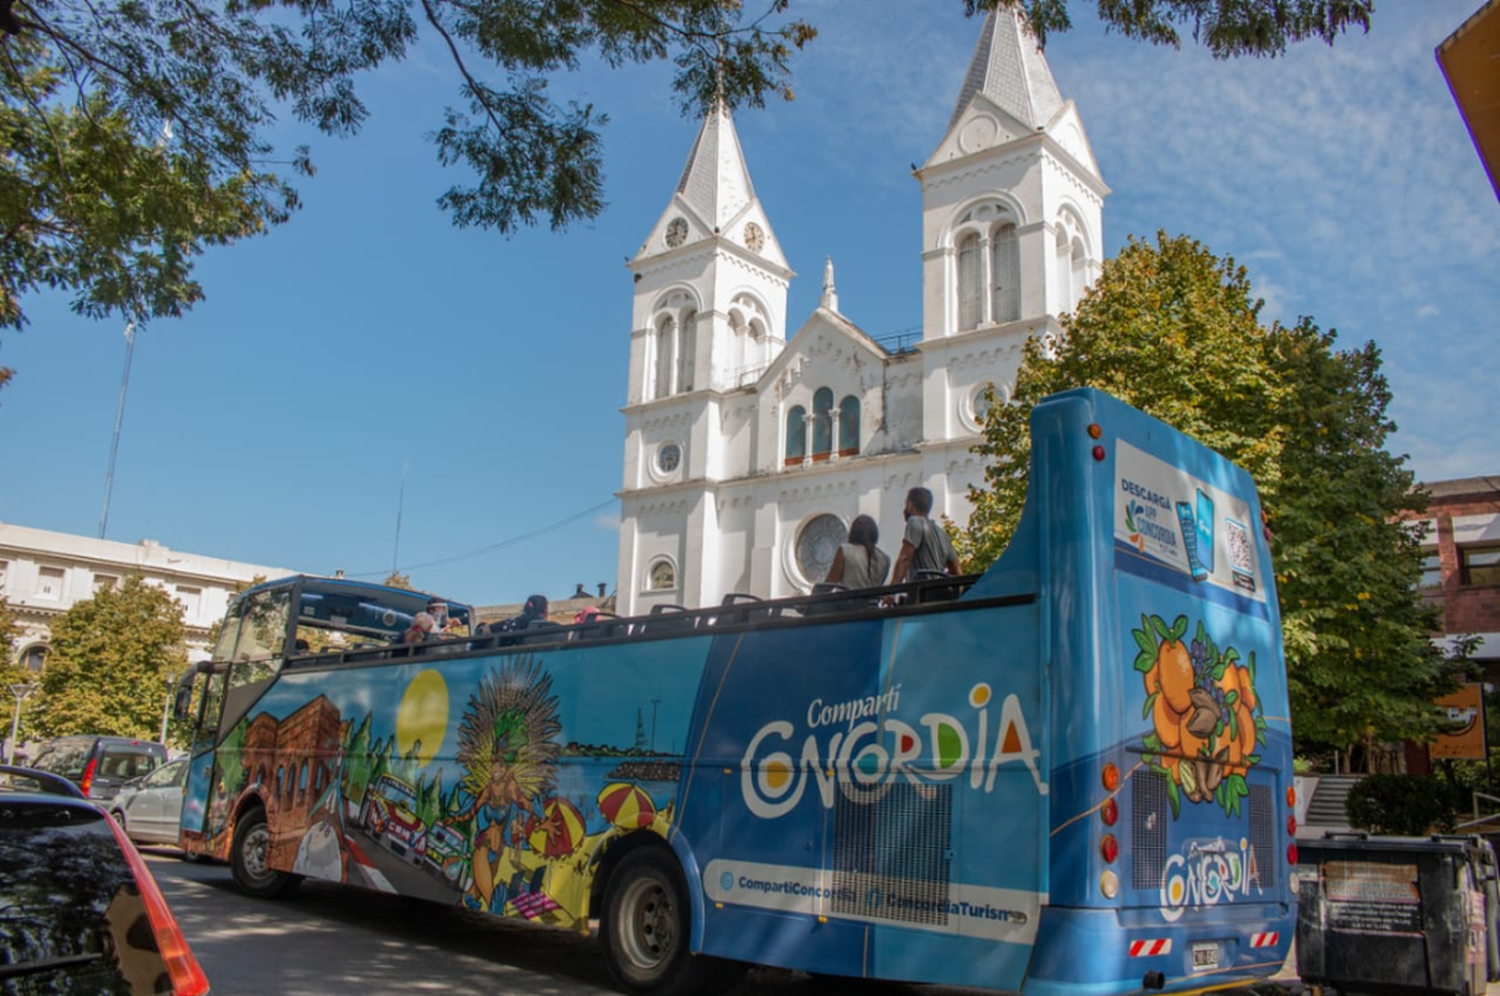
(1205, 957)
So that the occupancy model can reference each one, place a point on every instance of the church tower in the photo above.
(1011, 233)
(709, 317)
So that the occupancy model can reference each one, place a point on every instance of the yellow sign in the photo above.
(1464, 706)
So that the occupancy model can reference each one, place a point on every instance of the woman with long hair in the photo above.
(859, 563)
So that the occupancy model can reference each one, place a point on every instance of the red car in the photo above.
(79, 910)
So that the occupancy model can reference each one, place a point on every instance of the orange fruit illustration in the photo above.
(1175, 670)
(1230, 681)
(1247, 688)
(1247, 730)
(1166, 722)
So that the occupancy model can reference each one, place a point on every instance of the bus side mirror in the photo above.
(184, 696)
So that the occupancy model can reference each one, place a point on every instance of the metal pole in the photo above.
(20, 692)
(166, 708)
(114, 446)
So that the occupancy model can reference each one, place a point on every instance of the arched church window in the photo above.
(970, 282)
(1080, 272)
(822, 423)
(664, 336)
(1005, 271)
(1064, 272)
(849, 426)
(796, 436)
(663, 576)
(687, 353)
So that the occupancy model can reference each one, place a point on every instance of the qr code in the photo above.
(1239, 547)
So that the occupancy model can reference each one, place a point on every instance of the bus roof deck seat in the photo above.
(667, 617)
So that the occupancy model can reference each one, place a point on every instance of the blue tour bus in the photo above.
(1069, 775)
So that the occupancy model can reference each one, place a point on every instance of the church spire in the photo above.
(1011, 71)
(714, 197)
(715, 183)
(830, 293)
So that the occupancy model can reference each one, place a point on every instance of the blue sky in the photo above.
(272, 423)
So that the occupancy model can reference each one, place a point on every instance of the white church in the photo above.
(747, 455)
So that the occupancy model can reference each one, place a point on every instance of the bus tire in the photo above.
(647, 926)
(249, 857)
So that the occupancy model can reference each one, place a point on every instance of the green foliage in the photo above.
(138, 134)
(1227, 28)
(1175, 331)
(1404, 805)
(110, 661)
(10, 672)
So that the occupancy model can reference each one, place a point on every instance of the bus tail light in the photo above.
(1291, 796)
(1291, 826)
(1110, 776)
(1109, 847)
(1291, 854)
(1109, 884)
(1109, 812)
(88, 775)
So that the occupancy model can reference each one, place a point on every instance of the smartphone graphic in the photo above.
(1205, 532)
(1189, 528)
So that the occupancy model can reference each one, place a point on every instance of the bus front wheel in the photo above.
(647, 926)
(250, 859)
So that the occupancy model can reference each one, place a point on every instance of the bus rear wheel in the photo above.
(249, 859)
(647, 926)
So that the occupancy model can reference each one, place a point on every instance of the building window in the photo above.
(822, 423)
(1005, 270)
(34, 657)
(190, 599)
(970, 282)
(665, 333)
(796, 436)
(687, 353)
(49, 583)
(817, 544)
(1479, 564)
(849, 426)
(662, 576)
(1432, 570)
(105, 582)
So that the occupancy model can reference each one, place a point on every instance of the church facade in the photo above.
(748, 451)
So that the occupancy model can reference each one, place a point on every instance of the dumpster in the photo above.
(1397, 915)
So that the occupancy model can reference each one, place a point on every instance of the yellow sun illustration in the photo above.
(422, 719)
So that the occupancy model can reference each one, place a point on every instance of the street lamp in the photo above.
(166, 708)
(20, 692)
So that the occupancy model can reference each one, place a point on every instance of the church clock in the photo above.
(755, 239)
(677, 231)
(817, 544)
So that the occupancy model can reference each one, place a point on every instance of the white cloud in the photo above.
(1428, 311)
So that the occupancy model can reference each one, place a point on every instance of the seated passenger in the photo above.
(533, 615)
(423, 628)
(859, 563)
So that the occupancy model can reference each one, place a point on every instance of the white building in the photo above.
(747, 456)
(42, 573)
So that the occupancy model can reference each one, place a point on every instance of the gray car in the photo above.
(150, 807)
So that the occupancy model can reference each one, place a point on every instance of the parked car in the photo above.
(79, 910)
(100, 765)
(150, 807)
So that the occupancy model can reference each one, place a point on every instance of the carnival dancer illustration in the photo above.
(508, 749)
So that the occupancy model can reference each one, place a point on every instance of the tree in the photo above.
(1227, 27)
(110, 661)
(10, 671)
(1175, 331)
(137, 134)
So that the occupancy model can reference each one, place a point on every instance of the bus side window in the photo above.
(263, 629)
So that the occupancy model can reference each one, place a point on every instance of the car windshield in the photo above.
(71, 916)
(64, 757)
